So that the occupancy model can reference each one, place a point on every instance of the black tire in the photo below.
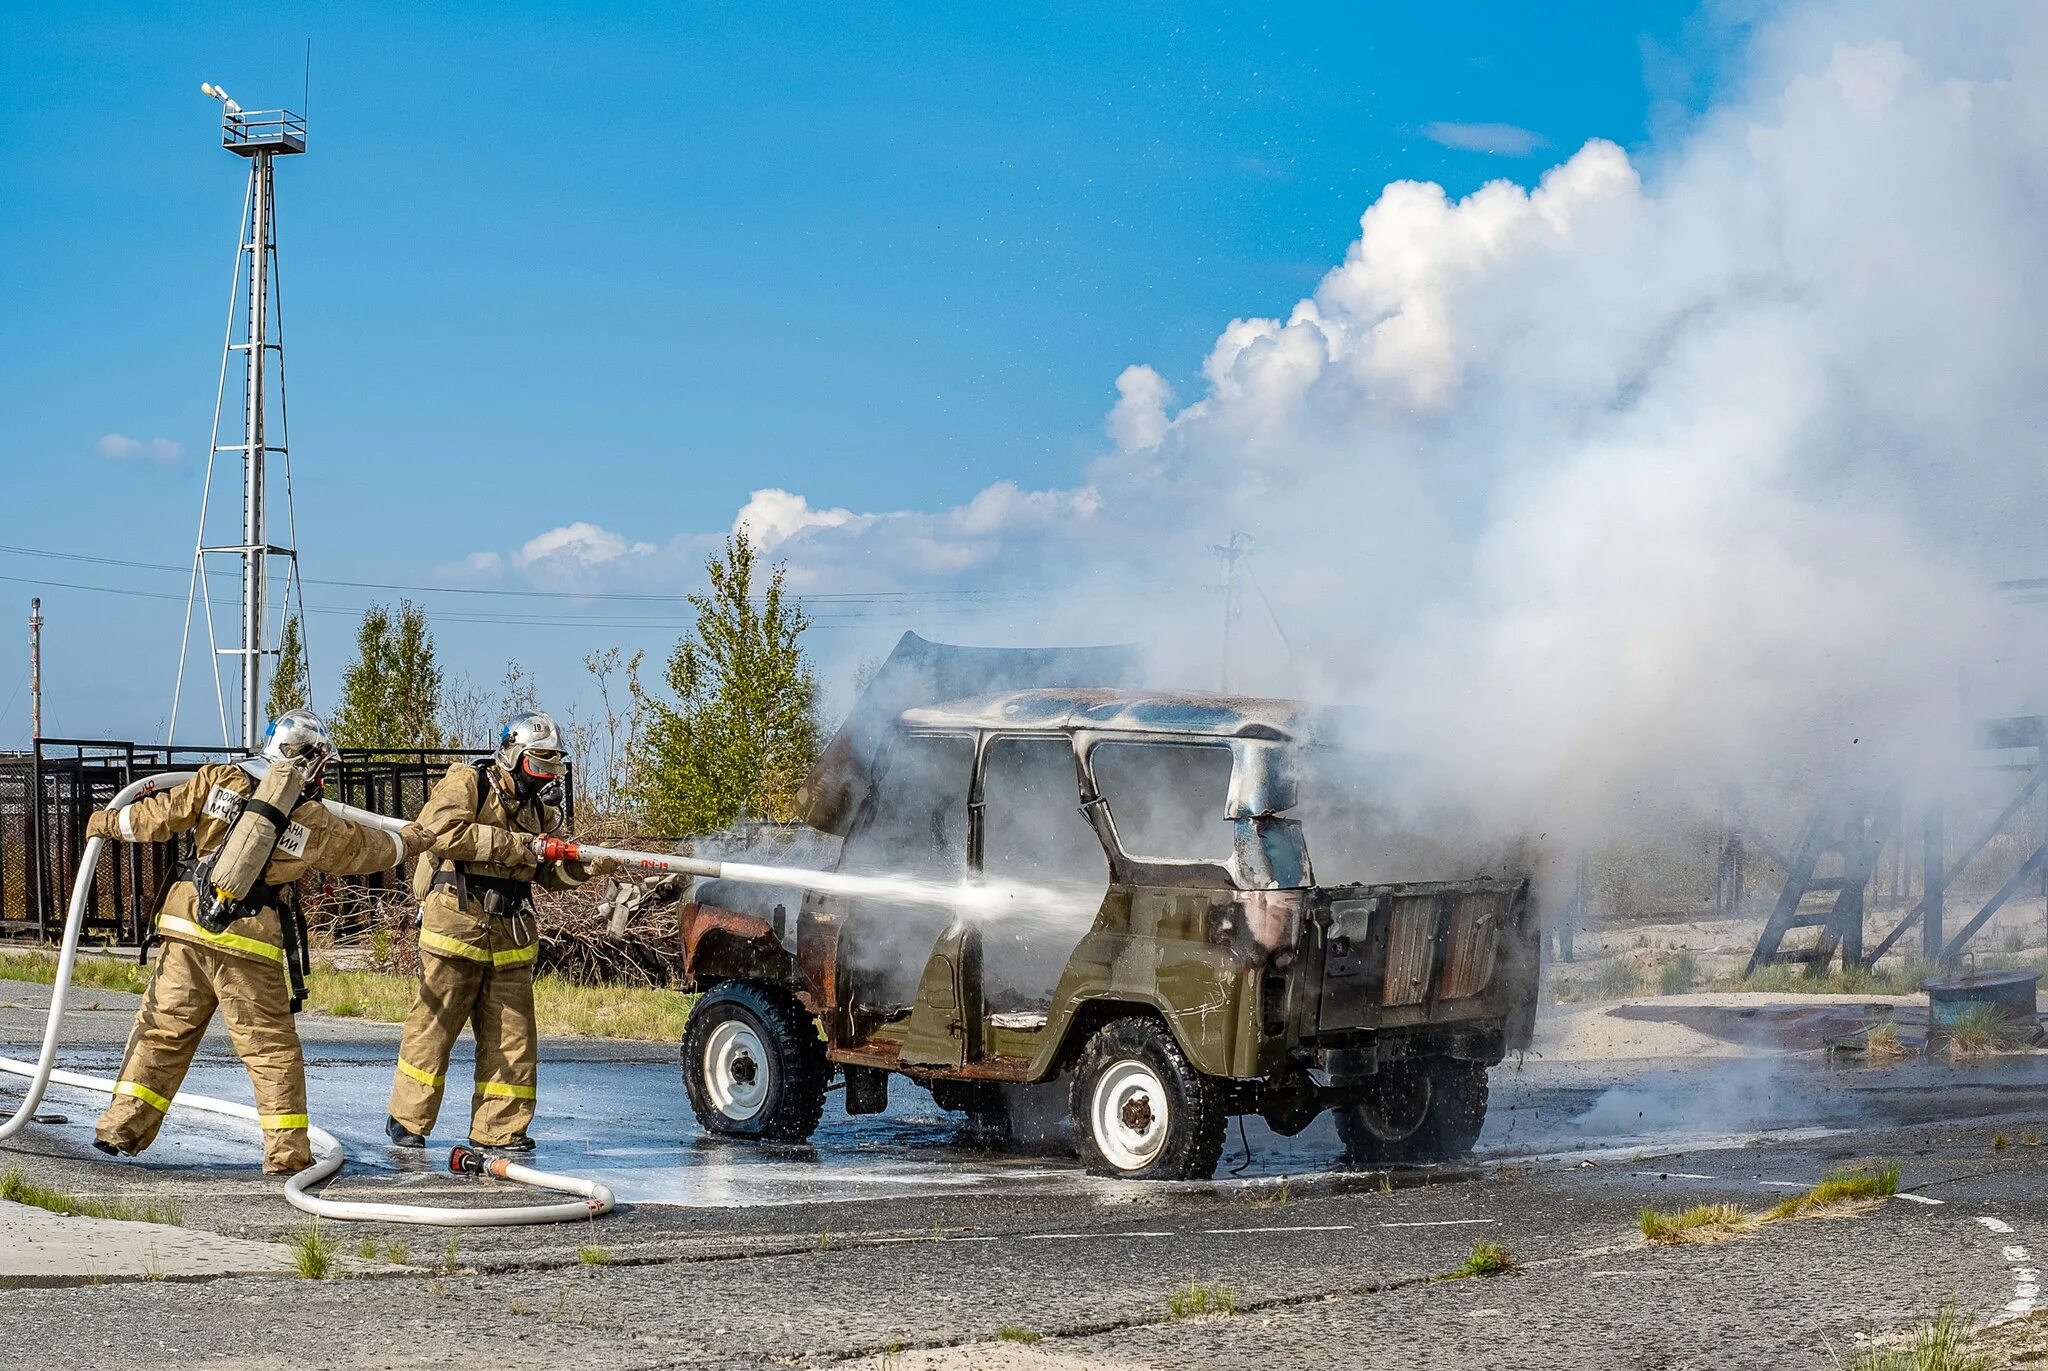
(1415, 1112)
(753, 1064)
(1138, 1060)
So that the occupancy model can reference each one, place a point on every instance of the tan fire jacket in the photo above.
(482, 831)
(317, 840)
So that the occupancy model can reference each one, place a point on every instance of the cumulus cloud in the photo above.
(578, 545)
(1504, 139)
(123, 448)
(772, 517)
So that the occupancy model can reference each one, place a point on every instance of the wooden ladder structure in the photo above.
(1845, 826)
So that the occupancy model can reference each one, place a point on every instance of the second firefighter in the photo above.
(478, 942)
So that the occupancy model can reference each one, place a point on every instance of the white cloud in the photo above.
(579, 545)
(1504, 139)
(1139, 419)
(123, 448)
(772, 517)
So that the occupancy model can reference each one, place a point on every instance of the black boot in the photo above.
(106, 1147)
(518, 1143)
(400, 1135)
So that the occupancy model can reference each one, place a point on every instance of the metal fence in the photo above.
(47, 794)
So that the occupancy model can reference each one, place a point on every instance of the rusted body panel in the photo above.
(724, 945)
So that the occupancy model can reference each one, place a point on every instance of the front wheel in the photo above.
(1141, 1110)
(1427, 1110)
(753, 1064)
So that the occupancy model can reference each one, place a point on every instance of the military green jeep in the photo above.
(1138, 914)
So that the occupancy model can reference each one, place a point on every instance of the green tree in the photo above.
(391, 693)
(288, 688)
(743, 730)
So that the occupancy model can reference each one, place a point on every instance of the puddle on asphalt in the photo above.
(628, 1124)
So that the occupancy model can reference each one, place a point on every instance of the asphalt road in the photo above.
(893, 1242)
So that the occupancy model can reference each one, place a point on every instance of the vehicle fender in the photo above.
(721, 944)
(1208, 1002)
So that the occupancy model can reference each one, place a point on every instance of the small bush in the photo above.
(594, 1256)
(312, 1253)
(1618, 980)
(1978, 1030)
(1680, 973)
(1194, 1301)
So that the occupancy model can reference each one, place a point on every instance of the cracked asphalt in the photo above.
(893, 1244)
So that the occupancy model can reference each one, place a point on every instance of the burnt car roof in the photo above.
(1181, 713)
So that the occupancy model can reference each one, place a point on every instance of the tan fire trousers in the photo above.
(496, 1001)
(189, 984)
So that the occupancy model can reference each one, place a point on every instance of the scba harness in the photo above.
(229, 880)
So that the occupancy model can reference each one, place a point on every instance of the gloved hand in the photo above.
(417, 839)
(601, 866)
(104, 823)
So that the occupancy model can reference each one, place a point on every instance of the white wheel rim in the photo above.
(1130, 1115)
(737, 1070)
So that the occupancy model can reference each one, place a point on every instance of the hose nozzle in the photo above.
(464, 1161)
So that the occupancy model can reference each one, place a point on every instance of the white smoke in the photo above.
(1694, 464)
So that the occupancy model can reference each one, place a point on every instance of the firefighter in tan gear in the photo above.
(477, 937)
(236, 955)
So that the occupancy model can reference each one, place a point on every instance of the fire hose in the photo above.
(328, 1152)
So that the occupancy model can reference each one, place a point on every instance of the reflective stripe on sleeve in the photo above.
(426, 1078)
(274, 1121)
(128, 823)
(506, 1092)
(142, 1092)
(516, 956)
(452, 947)
(171, 923)
(397, 848)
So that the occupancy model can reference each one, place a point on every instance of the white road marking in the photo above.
(1083, 1237)
(1295, 1228)
(1916, 1199)
(1995, 1225)
(1677, 1175)
(1786, 1185)
(1437, 1223)
(2015, 1254)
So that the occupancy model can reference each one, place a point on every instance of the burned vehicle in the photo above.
(1137, 913)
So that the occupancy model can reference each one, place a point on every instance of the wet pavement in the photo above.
(895, 1231)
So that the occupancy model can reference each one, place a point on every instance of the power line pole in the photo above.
(1232, 555)
(35, 668)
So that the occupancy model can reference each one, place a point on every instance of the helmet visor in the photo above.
(543, 763)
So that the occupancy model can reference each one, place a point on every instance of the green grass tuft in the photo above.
(1941, 1344)
(312, 1253)
(16, 1186)
(1200, 1300)
(1488, 1259)
(1679, 973)
(1879, 1181)
(593, 1255)
(1701, 1223)
(97, 973)
(1012, 1333)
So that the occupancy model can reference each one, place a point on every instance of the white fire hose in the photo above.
(329, 1155)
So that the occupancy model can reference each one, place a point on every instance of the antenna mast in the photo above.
(254, 303)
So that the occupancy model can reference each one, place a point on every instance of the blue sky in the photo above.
(628, 264)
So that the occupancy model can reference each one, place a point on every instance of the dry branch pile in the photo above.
(576, 941)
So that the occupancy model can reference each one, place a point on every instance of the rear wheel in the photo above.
(1141, 1111)
(753, 1064)
(1425, 1110)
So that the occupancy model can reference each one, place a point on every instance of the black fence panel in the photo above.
(47, 795)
